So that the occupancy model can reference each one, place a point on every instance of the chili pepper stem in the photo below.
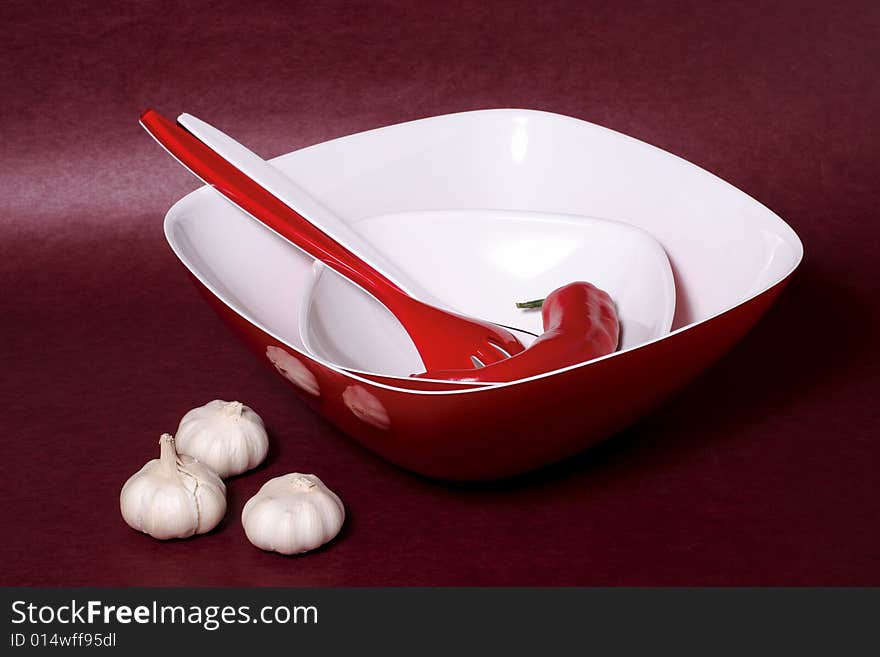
(537, 303)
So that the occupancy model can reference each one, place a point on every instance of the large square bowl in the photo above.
(731, 257)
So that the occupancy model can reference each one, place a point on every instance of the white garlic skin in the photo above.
(173, 496)
(292, 514)
(227, 436)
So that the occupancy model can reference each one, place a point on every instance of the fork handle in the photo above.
(266, 208)
(298, 199)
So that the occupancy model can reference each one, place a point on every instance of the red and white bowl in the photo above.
(730, 255)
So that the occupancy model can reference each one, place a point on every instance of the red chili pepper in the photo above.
(579, 324)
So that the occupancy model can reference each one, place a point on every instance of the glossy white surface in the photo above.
(724, 247)
(480, 263)
(294, 196)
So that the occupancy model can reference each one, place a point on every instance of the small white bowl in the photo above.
(480, 263)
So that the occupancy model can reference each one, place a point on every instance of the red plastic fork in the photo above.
(444, 340)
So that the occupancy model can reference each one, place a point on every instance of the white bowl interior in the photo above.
(724, 247)
(479, 263)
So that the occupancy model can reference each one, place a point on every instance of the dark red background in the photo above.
(764, 471)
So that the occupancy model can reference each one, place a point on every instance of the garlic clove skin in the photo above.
(228, 437)
(292, 514)
(173, 496)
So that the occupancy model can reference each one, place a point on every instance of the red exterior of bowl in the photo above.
(493, 432)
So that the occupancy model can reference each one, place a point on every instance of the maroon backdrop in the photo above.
(764, 471)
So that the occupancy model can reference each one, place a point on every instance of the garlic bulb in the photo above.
(227, 436)
(292, 514)
(173, 496)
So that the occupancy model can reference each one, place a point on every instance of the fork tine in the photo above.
(511, 345)
(488, 353)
